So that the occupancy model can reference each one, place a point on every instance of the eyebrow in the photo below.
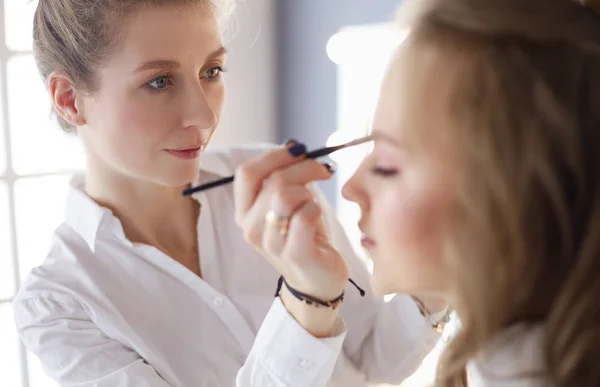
(378, 135)
(158, 64)
(173, 65)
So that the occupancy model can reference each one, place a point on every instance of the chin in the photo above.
(396, 280)
(183, 174)
(179, 179)
(174, 172)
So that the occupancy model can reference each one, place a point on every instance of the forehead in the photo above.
(168, 30)
(416, 94)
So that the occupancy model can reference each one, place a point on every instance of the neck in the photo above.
(149, 213)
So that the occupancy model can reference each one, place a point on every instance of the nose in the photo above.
(354, 190)
(200, 112)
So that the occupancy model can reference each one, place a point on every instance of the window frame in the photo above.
(10, 178)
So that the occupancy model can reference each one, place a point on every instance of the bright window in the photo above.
(36, 160)
(362, 54)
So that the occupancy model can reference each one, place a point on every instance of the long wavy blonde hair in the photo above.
(523, 241)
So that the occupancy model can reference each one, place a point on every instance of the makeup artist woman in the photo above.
(142, 287)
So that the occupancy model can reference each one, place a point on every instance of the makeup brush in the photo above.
(310, 155)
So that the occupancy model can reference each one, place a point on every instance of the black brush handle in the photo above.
(210, 185)
(310, 155)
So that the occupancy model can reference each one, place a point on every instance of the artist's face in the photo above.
(160, 96)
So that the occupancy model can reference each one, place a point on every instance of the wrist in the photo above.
(317, 320)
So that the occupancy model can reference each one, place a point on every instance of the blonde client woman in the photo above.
(484, 187)
(142, 287)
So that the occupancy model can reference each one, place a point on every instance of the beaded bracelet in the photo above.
(310, 300)
(436, 325)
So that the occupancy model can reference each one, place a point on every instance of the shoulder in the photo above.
(44, 307)
(37, 309)
(62, 268)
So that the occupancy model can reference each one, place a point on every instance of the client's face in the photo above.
(402, 187)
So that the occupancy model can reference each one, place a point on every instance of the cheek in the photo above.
(139, 117)
(128, 129)
(410, 219)
(408, 254)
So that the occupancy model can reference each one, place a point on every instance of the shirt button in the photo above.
(305, 363)
(218, 301)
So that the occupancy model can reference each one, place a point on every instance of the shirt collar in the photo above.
(83, 214)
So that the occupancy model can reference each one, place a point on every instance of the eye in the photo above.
(214, 73)
(160, 83)
(384, 172)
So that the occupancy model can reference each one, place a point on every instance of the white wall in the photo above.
(250, 109)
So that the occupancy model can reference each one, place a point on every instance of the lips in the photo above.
(186, 153)
(367, 242)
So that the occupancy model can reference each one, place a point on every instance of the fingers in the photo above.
(250, 175)
(303, 227)
(290, 245)
(293, 236)
(285, 203)
(272, 172)
(306, 249)
(300, 173)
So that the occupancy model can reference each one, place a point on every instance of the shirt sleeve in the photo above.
(74, 351)
(286, 355)
(386, 341)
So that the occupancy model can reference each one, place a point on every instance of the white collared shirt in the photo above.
(514, 358)
(104, 312)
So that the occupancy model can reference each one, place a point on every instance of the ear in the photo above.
(67, 100)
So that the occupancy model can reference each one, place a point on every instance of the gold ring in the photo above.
(280, 222)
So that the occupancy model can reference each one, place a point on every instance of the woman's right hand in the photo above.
(277, 182)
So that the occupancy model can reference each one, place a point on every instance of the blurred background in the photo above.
(303, 69)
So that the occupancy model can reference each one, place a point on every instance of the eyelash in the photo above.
(383, 172)
(220, 70)
(169, 78)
